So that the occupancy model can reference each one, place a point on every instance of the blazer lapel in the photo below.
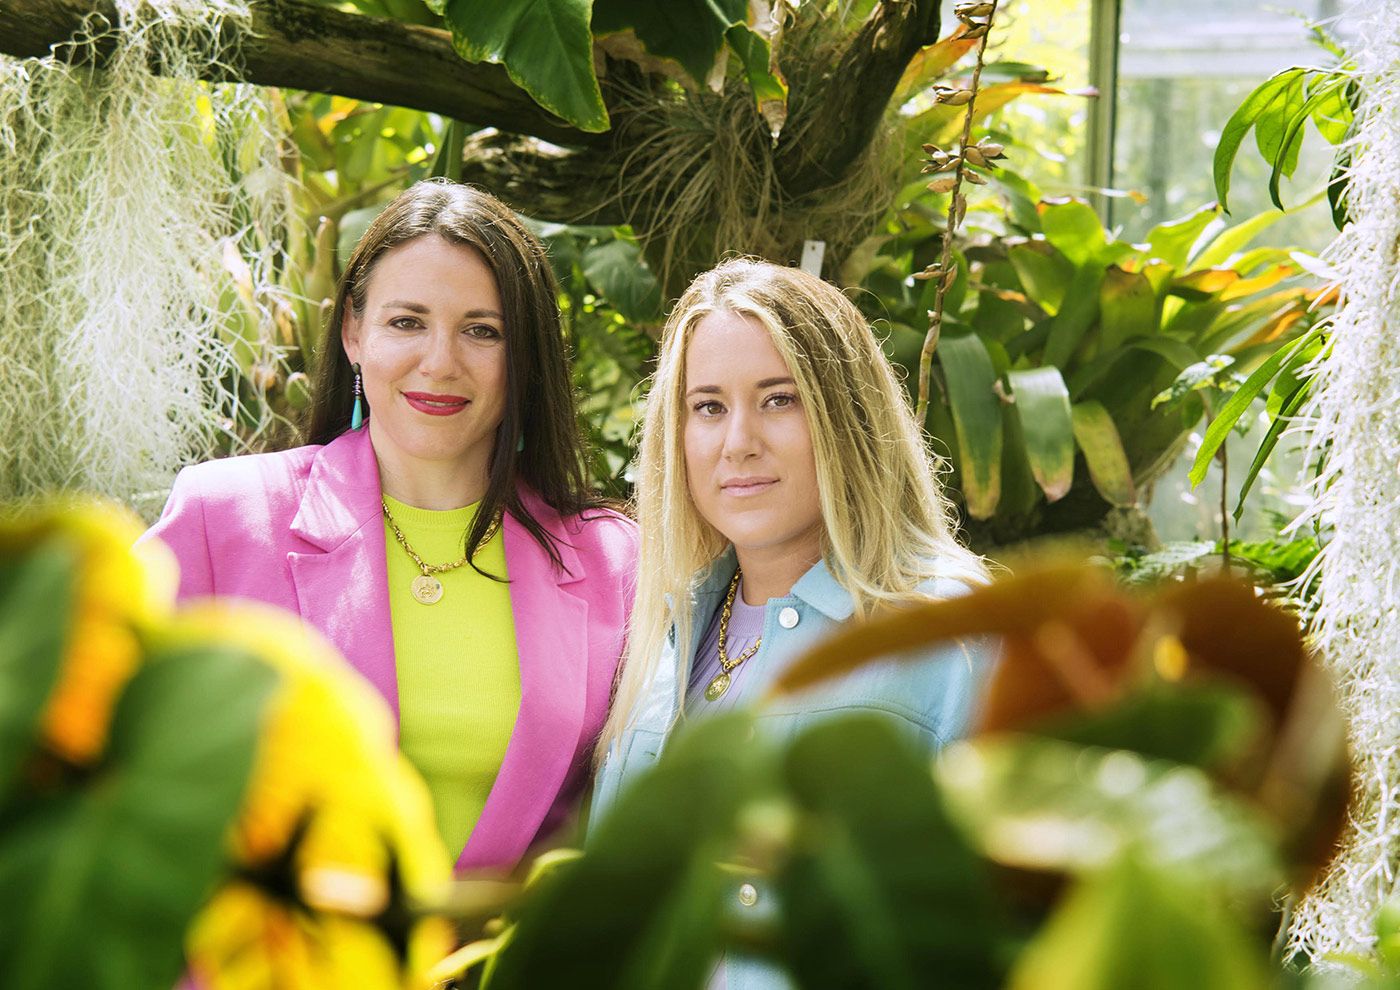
(340, 586)
(551, 641)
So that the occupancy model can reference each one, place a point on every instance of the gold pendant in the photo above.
(717, 687)
(427, 589)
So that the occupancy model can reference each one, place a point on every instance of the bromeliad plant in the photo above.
(1057, 338)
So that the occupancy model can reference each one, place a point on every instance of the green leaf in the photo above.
(1073, 227)
(643, 905)
(448, 163)
(36, 603)
(883, 890)
(1291, 404)
(1241, 122)
(770, 89)
(1231, 240)
(546, 47)
(1332, 116)
(1235, 406)
(976, 410)
(1271, 129)
(1193, 378)
(1078, 313)
(1171, 242)
(1098, 439)
(1128, 307)
(1286, 158)
(691, 32)
(618, 272)
(1061, 806)
(1145, 928)
(104, 875)
(1045, 274)
(1042, 405)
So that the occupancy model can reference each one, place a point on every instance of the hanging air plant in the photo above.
(122, 193)
(1355, 421)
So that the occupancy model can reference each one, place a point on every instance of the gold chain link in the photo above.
(725, 663)
(427, 568)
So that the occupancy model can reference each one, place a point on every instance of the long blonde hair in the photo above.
(887, 526)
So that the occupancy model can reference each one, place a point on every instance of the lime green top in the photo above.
(458, 671)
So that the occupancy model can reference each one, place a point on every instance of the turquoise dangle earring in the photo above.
(357, 415)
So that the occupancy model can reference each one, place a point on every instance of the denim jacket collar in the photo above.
(817, 587)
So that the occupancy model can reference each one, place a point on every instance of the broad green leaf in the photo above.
(36, 602)
(1080, 309)
(1235, 406)
(770, 89)
(1102, 447)
(105, 874)
(650, 871)
(1022, 197)
(1042, 405)
(1176, 353)
(1241, 122)
(617, 270)
(1272, 131)
(1020, 495)
(1049, 804)
(1333, 115)
(1286, 158)
(1134, 926)
(1171, 242)
(1127, 307)
(1045, 274)
(976, 411)
(883, 890)
(1073, 227)
(545, 45)
(691, 32)
(1231, 240)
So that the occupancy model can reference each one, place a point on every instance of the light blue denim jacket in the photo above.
(932, 696)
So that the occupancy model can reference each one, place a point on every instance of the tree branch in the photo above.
(300, 45)
(835, 119)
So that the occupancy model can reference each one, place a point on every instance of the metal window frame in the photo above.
(1104, 32)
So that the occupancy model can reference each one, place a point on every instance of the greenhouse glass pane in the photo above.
(1183, 68)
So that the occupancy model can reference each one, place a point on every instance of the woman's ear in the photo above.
(350, 335)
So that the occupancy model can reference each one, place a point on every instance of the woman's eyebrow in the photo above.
(471, 314)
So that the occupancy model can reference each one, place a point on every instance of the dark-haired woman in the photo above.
(437, 527)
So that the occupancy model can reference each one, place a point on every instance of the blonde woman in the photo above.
(783, 487)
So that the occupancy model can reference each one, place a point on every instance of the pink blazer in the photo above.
(303, 529)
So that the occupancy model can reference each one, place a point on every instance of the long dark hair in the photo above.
(539, 407)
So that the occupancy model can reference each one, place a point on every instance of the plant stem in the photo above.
(1224, 456)
(935, 325)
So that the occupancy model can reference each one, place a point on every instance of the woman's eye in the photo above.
(709, 408)
(484, 331)
(781, 400)
(403, 322)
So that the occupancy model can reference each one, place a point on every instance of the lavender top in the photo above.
(745, 626)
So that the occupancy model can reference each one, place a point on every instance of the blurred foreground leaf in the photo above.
(103, 878)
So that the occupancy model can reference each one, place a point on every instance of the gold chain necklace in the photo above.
(722, 680)
(426, 589)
